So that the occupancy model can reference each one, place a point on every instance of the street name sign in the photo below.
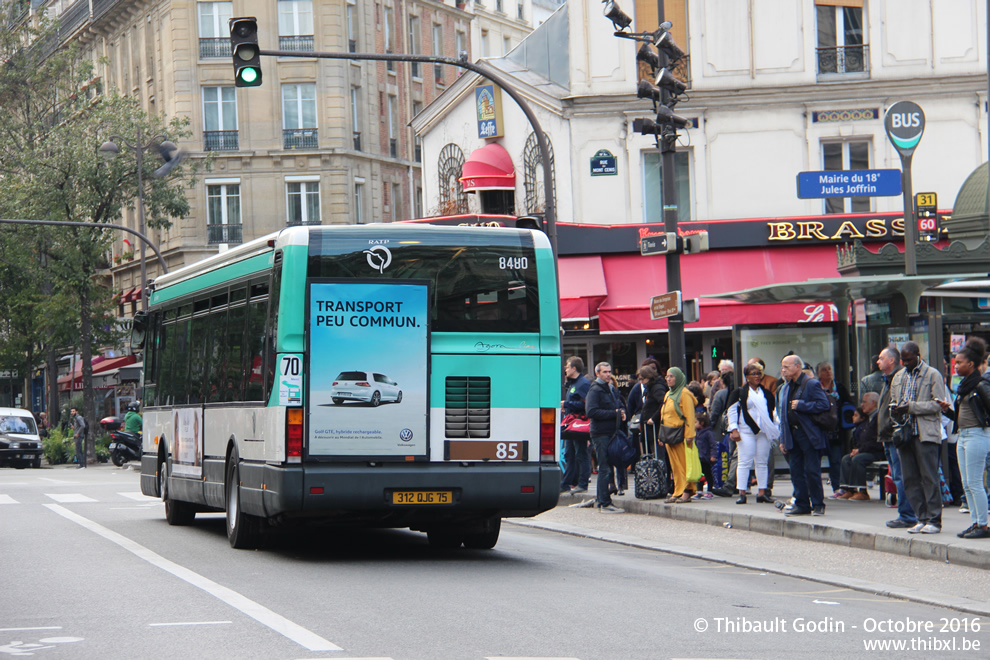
(658, 244)
(849, 183)
(668, 304)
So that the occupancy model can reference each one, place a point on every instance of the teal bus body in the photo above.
(386, 375)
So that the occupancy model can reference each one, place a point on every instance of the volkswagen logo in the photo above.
(406, 435)
(379, 257)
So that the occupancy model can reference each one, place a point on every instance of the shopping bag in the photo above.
(693, 462)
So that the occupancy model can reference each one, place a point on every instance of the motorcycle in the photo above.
(124, 446)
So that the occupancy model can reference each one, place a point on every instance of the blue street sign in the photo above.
(849, 183)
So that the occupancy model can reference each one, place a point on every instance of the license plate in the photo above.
(343, 393)
(422, 497)
(113, 445)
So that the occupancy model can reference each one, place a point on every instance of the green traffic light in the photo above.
(249, 75)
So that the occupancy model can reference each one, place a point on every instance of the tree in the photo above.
(53, 118)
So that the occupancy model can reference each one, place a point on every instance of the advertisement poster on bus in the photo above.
(187, 432)
(368, 368)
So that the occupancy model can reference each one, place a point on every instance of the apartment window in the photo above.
(390, 35)
(214, 34)
(393, 126)
(220, 119)
(419, 201)
(351, 27)
(438, 51)
(500, 6)
(359, 200)
(840, 37)
(223, 211)
(295, 24)
(852, 155)
(299, 116)
(415, 44)
(356, 118)
(653, 187)
(302, 197)
(417, 107)
(520, 14)
(506, 45)
(396, 201)
(484, 43)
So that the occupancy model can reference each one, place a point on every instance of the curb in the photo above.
(956, 603)
(852, 535)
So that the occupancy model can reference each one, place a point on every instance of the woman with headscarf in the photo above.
(677, 410)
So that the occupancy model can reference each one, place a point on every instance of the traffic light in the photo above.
(247, 54)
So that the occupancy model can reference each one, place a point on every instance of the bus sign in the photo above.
(926, 210)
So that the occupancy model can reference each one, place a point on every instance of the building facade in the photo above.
(774, 89)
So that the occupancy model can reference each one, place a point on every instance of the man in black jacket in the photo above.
(890, 363)
(577, 461)
(604, 408)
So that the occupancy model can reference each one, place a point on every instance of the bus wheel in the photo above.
(176, 512)
(445, 538)
(243, 531)
(486, 537)
(376, 399)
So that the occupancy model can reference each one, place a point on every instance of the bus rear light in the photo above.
(548, 434)
(316, 490)
(527, 489)
(293, 434)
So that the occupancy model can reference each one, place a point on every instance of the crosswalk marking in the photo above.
(69, 498)
(7, 499)
(139, 497)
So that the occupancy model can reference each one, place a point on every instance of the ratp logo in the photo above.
(379, 258)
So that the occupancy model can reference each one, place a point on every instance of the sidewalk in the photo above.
(846, 523)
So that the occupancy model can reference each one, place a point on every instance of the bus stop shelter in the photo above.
(842, 291)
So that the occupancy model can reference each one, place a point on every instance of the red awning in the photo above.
(488, 168)
(632, 280)
(100, 365)
(582, 287)
(126, 296)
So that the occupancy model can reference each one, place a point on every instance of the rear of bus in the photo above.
(431, 378)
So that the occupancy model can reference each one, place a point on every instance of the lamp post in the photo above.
(171, 155)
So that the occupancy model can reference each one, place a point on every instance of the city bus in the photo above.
(390, 375)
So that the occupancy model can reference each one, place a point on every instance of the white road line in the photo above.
(189, 623)
(36, 628)
(69, 498)
(310, 640)
(138, 496)
(7, 499)
(528, 657)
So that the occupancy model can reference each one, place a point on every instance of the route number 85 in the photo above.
(507, 451)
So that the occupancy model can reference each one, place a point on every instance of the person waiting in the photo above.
(867, 448)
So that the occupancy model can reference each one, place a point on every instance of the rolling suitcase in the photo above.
(652, 472)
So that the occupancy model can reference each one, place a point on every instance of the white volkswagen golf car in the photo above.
(364, 386)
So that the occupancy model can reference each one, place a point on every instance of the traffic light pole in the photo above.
(668, 197)
(483, 70)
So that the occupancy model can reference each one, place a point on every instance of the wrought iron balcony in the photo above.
(301, 223)
(296, 42)
(844, 59)
(220, 141)
(211, 47)
(300, 138)
(216, 234)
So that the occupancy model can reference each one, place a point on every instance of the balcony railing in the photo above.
(844, 59)
(216, 234)
(296, 42)
(220, 141)
(295, 222)
(300, 138)
(210, 47)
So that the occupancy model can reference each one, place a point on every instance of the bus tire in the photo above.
(376, 399)
(485, 538)
(243, 531)
(445, 538)
(176, 513)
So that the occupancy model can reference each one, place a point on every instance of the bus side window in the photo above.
(255, 344)
(271, 334)
(233, 387)
(215, 355)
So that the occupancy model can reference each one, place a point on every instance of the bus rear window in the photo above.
(490, 287)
